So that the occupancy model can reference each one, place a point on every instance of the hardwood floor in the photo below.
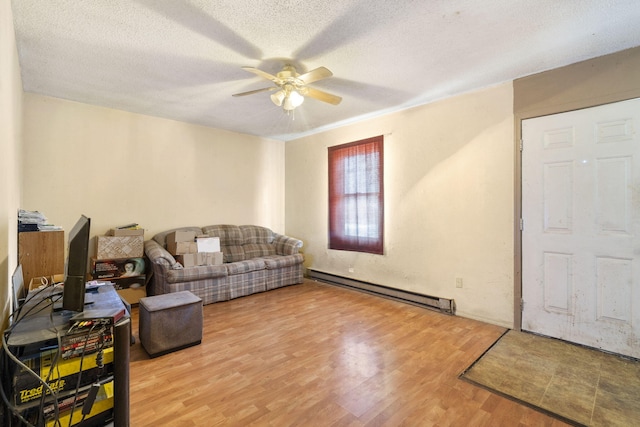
(319, 355)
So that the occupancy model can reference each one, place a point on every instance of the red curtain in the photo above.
(356, 196)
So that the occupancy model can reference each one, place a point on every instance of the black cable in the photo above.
(12, 407)
(18, 362)
(75, 399)
(54, 365)
(99, 361)
(40, 305)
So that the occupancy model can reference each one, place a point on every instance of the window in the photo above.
(356, 197)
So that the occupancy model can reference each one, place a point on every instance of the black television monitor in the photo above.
(75, 272)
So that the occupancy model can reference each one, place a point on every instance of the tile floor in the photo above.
(587, 386)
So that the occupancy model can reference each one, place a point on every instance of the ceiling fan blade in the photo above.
(251, 92)
(262, 74)
(315, 75)
(322, 96)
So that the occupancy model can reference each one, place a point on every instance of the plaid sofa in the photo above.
(255, 260)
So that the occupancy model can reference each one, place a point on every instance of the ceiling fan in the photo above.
(292, 87)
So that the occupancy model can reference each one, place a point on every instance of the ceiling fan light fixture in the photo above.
(278, 97)
(287, 105)
(295, 98)
(291, 88)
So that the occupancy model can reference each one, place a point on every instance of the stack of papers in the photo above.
(34, 221)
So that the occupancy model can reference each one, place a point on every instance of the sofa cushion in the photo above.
(230, 241)
(245, 266)
(230, 235)
(256, 250)
(256, 234)
(232, 253)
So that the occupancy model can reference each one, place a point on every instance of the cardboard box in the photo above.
(181, 236)
(209, 258)
(118, 232)
(131, 288)
(36, 282)
(208, 244)
(200, 258)
(187, 260)
(180, 248)
(114, 247)
(116, 268)
(133, 295)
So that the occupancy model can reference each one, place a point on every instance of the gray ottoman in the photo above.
(170, 322)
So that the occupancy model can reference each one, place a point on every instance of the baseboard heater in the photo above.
(443, 305)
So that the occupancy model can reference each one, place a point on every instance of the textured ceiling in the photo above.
(181, 59)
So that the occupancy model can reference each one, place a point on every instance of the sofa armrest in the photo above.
(159, 255)
(160, 263)
(286, 245)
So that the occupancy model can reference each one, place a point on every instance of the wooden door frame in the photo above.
(603, 80)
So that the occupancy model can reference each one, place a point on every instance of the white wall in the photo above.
(449, 202)
(10, 162)
(448, 187)
(118, 167)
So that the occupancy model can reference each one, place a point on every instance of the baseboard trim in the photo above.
(443, 305)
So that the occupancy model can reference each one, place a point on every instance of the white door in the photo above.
(581, 226)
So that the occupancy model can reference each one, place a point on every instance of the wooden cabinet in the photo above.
(41, 253)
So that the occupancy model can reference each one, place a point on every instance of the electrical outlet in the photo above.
(458, 282)
(350, 269)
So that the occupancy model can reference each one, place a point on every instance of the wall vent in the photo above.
(443, 305)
